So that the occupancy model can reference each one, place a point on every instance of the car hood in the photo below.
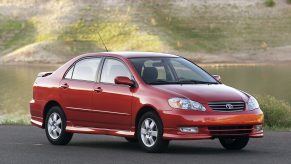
(204, 93)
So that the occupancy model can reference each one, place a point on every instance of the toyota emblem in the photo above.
(229, 106)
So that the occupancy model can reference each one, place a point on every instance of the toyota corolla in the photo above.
(149, 98)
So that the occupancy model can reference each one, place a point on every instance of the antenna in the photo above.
(102, 41)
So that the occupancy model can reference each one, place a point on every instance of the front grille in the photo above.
(232, 106)
(230, 130)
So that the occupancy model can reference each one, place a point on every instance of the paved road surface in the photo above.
(27, 145)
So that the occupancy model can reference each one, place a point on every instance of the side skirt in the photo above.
(90, 130)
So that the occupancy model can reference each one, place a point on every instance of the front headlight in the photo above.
(253, 103)
(182, 103)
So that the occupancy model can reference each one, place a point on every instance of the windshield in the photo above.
(158, 71)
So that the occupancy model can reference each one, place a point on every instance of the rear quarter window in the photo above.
(85, 70)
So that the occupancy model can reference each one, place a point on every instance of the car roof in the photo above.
(132, 54)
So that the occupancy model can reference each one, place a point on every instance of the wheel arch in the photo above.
(143, 110)
(47, 107)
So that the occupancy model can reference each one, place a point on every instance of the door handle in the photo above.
(65, 86)
(98, 89)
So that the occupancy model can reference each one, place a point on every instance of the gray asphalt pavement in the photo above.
(28, 145)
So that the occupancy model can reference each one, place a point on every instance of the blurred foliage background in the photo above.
(207, 31)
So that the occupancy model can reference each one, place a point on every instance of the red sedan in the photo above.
(146, 97)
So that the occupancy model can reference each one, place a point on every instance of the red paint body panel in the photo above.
(113, 111)
(115, 103)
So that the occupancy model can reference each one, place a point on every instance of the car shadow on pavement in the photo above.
(183, 149)
(173, 148)
(118, 145)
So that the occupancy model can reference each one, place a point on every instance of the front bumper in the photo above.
(211, 124)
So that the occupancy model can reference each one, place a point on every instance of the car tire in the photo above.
(236, 143)
(150, 133)
(131, 140)
(55, 125)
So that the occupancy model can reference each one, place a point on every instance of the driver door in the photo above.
(112, 102)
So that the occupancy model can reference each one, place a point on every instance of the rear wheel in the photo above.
(55, 125)
(150, 133)
(236, 143)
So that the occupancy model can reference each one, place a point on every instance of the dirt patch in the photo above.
(42, 52)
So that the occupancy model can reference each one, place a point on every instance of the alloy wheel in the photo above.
(149, 132)
(54, 126)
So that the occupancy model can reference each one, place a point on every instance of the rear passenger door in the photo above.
(77, 91)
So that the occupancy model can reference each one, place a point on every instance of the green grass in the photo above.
(154, 26)
(190, 38)
(14, 119)
(277, 112)
(79, 37)
(183, 34)
(205, 30)
(15, 34)
(116, 35)
(270, 3)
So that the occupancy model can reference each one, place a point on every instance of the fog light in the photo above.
(258, 128)
(189, 129)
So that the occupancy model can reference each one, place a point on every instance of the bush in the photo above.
(277, 112)
(269, 3)
(289, 1)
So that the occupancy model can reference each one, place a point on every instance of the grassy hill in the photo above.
(41, 31)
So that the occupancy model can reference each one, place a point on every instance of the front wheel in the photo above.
(236, 143)
(55, 125)
(150, 133)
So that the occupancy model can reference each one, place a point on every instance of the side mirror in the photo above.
(123, 80)
(217, 77)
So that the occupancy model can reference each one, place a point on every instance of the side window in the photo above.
(69, 73)
(113, 68)
(86, 69)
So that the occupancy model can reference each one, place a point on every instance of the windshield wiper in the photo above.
(195, 82)
(161, 82)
